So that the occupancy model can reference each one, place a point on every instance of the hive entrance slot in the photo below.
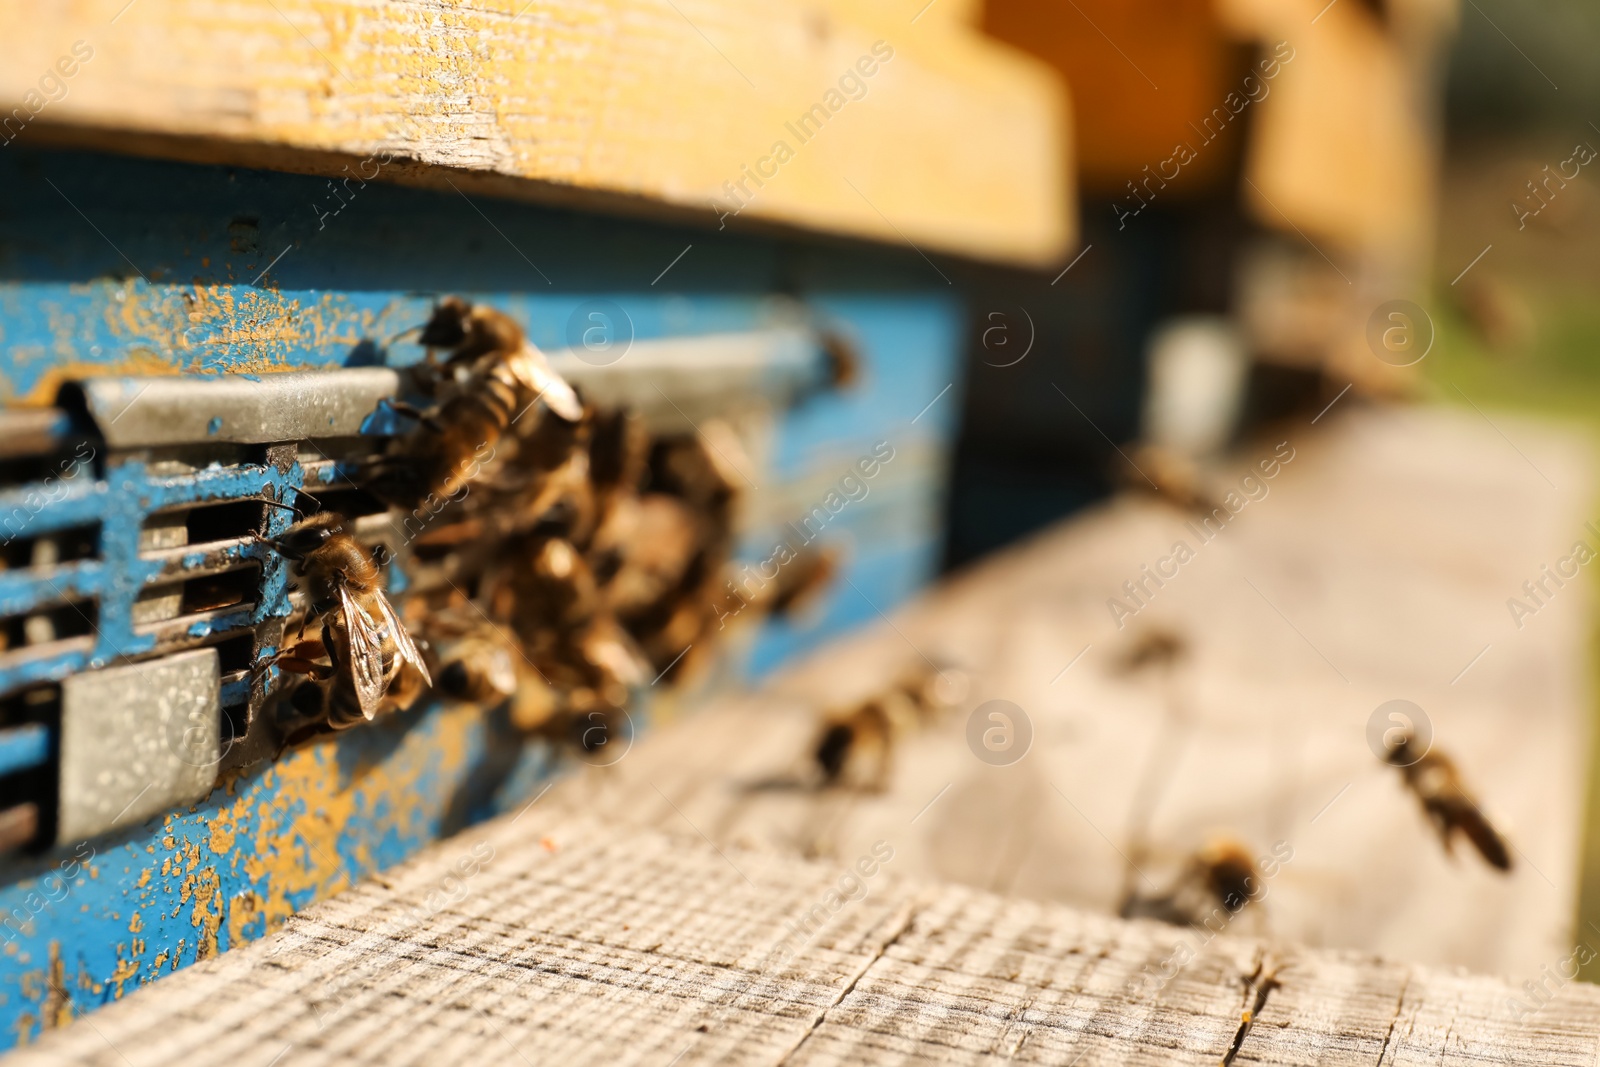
(344, 499)
(44, 625)
(212, 592)
(223, 522)
(236, 654)
(27, 805)
(51, 549)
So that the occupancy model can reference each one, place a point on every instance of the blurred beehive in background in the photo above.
(1267, 166)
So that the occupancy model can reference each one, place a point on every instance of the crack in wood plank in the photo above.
(1399, 1002)
(1258, 986)
(908, 917)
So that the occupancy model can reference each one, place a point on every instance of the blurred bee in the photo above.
(1222, 874)
(486, 667)
(619, 455)
(1227, 871)
(493, 348)
(1171, 476)
(643, 550)
(1437, 784)
(364, 642)
(498, 375)
(799, 583)
(1155, 648)
(480, 668)
(856, 747)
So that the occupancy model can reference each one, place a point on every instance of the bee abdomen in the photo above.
(344, 710)
(834, 749)
(1485, 837)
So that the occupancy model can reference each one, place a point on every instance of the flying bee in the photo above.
(363, 640)
(1155, 648)
(1228, 872)
(1221, 874)
(1447, 802)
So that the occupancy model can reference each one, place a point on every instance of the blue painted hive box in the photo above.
(207, 304)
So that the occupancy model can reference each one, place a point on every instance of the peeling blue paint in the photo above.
(280, 836)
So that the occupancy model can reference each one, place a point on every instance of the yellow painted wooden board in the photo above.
(863, 120)
(1346, 148)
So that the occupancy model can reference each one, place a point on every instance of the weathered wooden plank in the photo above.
(625, 104)
(1377, 567)
(558, 939)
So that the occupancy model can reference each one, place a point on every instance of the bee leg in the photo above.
(317, 672)
(400, 407)
(430, 373)
(300, 658)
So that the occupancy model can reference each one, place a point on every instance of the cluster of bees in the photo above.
(570, 557)
(1225, 873)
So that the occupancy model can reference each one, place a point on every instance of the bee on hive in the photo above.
(484, 665)
(365, 644)
(494, 376)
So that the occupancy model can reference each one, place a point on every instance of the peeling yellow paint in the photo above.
(223, 827)
(243, 910)
(57, 1001)
(126, 970)
(291, 831)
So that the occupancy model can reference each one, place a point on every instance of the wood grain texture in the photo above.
(955, 143)
(576, 941)
(1377, 567)
(696, 903)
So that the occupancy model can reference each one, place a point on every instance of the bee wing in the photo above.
(402, 639)
(366, 654)
(534, 371)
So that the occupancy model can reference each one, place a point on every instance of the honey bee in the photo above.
(486, 667)
(1227, 871)
(857, 746)
(1447, 802)
(1171, 476)
(365, 643)
(498, 376)
(1155, 648)
(492, 345)
(1222, 873)
(799, 583)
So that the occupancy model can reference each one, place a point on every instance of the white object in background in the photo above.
(1195, 385)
